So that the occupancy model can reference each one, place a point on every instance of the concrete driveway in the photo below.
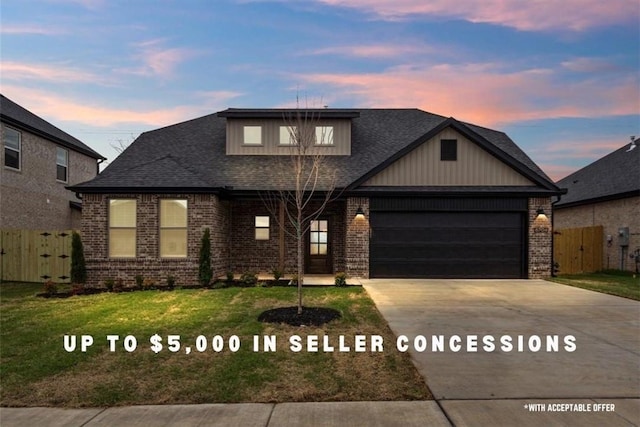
(506, 387)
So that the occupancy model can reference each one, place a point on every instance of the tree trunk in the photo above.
(300, 262)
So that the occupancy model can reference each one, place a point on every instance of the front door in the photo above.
(319, 248)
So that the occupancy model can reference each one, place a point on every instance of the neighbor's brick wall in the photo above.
(611, 215)
(32, 198)
(540, 235)
(357, 238)
(261, 256)
(204, 211)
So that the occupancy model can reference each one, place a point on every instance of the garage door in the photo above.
(447, 244)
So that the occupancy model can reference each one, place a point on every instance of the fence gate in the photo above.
(35, 256)
(578, 250)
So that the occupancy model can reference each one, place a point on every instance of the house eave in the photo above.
(279, 113)
(444, 191)
(18, 124)
(607, 198)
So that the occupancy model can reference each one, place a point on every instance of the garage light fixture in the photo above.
(540, 214)
(360, 213)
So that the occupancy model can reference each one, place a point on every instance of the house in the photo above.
(436, 197)
(606, 193)
(38, 162)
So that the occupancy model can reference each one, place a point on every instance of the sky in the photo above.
(560, 77)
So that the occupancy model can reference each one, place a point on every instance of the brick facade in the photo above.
(234, 247)
(204, 211)
(540, 238)
(249, 254)
(357, 238)
(612, 215)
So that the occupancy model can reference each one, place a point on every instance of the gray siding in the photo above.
(423, 167)
(271, 137)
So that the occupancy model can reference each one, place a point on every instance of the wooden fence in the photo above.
(35, 256)
(578, 250)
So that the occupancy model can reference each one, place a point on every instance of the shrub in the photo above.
(139, 281)
(294, 280)
(109, 283)
(77, 289)
(78, 266)
(118, 286)
(263, 284)
(277, 273)
(171, 282)
(229, 276)
(50, 288)
(249, 278)
(148, 283)
(341, 279)
(204, 269)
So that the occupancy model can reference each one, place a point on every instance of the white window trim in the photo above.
(267, 227)
(109, 228)
(65, 166)
(292, 139)
(249, 144)
(185, 228)
(19, 150)
(323, 135)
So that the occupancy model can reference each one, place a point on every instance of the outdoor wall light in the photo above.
(540, 214)
(360, 213)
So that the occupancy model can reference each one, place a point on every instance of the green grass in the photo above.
(612, 282)
(37, 371)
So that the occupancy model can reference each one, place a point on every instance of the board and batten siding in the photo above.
(423, 167)
(271, 137)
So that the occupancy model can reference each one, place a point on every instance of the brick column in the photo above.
(357, 239)
(540, 238)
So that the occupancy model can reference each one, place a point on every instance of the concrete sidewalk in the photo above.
(355, 414)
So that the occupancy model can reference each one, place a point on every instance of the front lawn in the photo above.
(619, 283)
(35, 369)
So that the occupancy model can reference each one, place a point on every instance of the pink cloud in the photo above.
(541, 15)
(57, 73)
(30, 29)
(372, 51)
(484, 93)
(157, 60)
(52, 106)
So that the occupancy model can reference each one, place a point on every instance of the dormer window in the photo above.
(288, 135)
(324, 135)
(252, 135)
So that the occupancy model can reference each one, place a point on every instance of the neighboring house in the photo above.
(440, 198)
(38, 162)
(606, 193)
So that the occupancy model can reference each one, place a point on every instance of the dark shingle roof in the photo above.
(17, 116)
(191, 155)
(613, 176)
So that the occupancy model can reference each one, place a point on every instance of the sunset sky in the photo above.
(561, 77)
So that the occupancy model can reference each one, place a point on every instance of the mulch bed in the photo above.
(311, 316)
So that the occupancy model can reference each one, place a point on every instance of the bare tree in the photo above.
(306, 184)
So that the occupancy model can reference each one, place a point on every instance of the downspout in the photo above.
(553, 234)
(98, 163)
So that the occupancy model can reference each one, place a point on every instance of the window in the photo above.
(173, 228)
(324, 135)
(252, 135)
(318, 235)
(262, 228)
(62, 164)
(448, 149)
(122, 228)
(288, 135)
(12, 148)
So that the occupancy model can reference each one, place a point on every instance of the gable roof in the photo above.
(199, 145)
(17, 116)
(614, 176)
